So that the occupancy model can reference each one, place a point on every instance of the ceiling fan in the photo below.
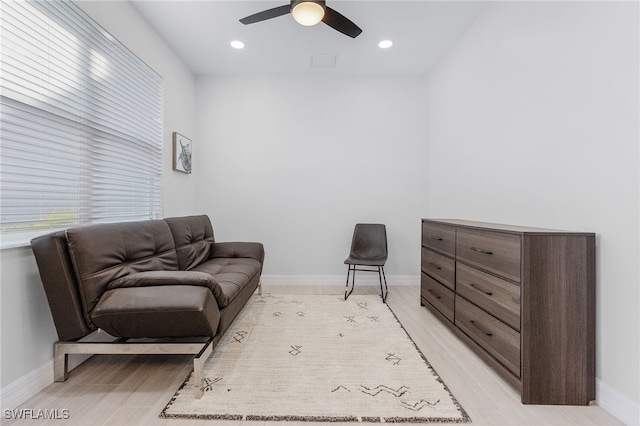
(308, 12)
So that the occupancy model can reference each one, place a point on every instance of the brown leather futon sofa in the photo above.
(151, 279)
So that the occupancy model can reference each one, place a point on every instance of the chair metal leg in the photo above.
(385, 292)
(347, 293)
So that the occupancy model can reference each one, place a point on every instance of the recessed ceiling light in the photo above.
(237, 44)
(385, 44)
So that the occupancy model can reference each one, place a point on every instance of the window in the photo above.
(80, 122)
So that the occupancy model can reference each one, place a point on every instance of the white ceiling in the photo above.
(200, 32)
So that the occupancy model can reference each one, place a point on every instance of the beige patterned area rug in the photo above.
(318, 358)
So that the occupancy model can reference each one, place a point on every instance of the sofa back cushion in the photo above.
(105, 252)
(193, 237)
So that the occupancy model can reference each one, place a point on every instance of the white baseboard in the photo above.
(617, 404)
(27, 386)
(339, 280)
(30, 384)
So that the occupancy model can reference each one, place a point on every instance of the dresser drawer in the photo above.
(500, 297)
(439, 296)
(439, 267)
(492, 251)
(497, 338)
(439, 237)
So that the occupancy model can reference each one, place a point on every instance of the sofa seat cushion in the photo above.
(232, 274)
(163, 311)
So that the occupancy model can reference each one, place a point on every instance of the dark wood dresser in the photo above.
(522, 298)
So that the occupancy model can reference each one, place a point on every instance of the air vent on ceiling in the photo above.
(323, 61)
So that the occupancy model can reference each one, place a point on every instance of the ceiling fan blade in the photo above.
(338, 22)
(266, 14)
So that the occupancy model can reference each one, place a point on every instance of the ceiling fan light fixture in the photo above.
(307, 13)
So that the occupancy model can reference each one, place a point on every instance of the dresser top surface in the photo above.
(504, 228)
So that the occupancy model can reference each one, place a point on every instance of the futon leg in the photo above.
(198, 366)
(202, 349)
(60, 363)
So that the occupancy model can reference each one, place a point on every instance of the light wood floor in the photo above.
(133, 390)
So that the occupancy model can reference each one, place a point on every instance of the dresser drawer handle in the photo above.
(480, 328)
(480, 289)
(435, 266)
(436, 295)
(481, 251)
(433, 237)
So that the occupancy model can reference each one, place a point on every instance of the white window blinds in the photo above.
(80, 122)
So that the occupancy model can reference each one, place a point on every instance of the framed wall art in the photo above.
(181, 153)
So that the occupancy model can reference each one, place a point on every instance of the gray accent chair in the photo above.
(368, 249)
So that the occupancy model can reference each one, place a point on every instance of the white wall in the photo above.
(533, 120)
(296, 162)
(26, 326)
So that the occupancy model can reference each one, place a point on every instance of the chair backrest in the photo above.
(369, 241)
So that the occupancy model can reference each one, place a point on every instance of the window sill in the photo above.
(21, 239)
